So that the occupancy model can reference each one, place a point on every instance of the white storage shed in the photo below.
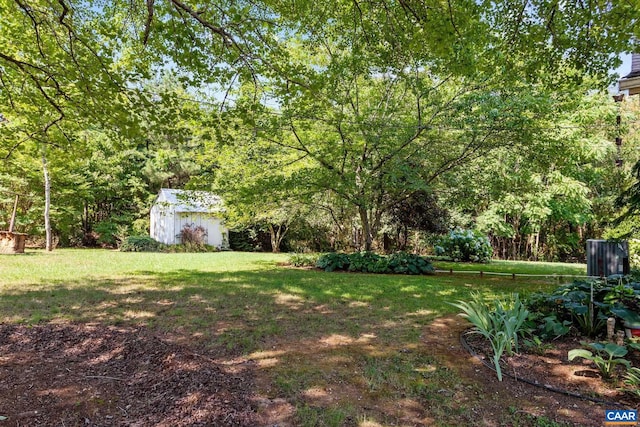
(174, 209)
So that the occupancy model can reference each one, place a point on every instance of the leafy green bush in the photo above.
(250, 239)
(333, 261)
(587, 303)
(551, 328)
(141, 244)
(106, 233)
(465, 245)
(303, 260)
(407, 263)
(370, 262)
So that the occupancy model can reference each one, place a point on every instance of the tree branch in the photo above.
(147, 25)
(226, 36)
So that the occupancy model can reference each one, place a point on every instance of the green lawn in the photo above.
(88, 285)
(353, 333)
(517, 267)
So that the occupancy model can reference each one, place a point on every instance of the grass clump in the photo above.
(313, 416)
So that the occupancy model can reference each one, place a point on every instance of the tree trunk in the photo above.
(47, 202)
(366, 228)
(13, 215)
(277, 235)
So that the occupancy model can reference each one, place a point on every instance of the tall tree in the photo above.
(358, 88)
(543, 199)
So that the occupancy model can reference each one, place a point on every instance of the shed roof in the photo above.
(190, 200)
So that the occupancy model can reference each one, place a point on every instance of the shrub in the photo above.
(251, 239)
(303, 260)
(587, 303)
(407, 263)
(370, 262)
(106, 233)
(333, 261)
(465, 245)
(140, 244)
(193, 237)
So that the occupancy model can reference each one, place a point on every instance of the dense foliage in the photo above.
(341, 125)
(465, 245)
(580, 308)
(148, 244)
(370, 262)
(586, 305)
(140, 244)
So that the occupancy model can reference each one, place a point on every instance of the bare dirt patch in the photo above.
(550, 367)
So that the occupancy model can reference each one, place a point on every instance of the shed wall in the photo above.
(162, 224)
(216, 231)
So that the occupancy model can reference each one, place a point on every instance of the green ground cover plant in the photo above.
(140, 244)
(582, 309)
(303, 259)
(587, 304)
(358, 335)
(371, 262)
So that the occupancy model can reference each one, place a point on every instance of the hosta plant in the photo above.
(606, 356)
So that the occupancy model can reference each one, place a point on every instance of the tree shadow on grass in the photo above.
(246, 308)
(304, 332)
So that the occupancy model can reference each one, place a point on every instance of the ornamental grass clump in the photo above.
(632, 380)
(499, 324)
(193, 237)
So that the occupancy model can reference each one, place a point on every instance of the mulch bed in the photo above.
(96, 375)
(93, 375)
(551, 369)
